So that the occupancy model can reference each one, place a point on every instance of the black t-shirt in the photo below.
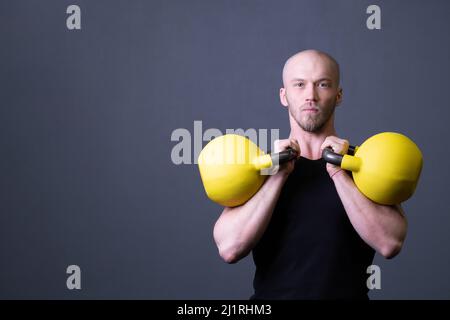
(310, 250)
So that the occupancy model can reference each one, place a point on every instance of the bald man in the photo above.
(312, 233)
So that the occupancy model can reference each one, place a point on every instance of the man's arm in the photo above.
(238, 229)
(380, 226)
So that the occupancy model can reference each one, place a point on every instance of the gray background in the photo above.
(86, 119)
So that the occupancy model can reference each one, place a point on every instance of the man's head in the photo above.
(311, 89)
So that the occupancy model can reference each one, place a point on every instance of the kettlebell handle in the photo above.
(335, 158)
(284, 156)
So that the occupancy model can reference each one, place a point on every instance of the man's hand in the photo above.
(281, 145)
(339, 146)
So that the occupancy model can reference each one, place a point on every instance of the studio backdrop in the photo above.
(106, 104)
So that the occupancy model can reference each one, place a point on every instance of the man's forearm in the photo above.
(238, 229)
(380, 226)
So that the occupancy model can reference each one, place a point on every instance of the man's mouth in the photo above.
(309, 108)
(313, 110)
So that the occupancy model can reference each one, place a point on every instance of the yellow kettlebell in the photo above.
(385, 168)
(230, 168)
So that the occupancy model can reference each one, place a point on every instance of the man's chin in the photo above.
(309, 123)
(311, 127)
(308, 128)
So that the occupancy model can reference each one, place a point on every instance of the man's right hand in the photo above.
(284, 144)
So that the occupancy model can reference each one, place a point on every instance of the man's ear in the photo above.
(283, 99)
(339, 96)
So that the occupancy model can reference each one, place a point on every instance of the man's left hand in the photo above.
(339, 146)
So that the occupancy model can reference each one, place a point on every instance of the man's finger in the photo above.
(296, 146)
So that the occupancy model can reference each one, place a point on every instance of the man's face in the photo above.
(310, 91)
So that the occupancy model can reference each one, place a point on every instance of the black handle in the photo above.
(351, 150)
(284, 156)
(335, 158)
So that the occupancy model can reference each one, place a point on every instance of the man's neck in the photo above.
(310, 142)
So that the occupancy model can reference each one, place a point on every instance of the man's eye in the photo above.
(324, 85)
(300, 84)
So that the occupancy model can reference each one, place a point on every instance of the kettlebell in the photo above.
(385, 168)
(230, 167)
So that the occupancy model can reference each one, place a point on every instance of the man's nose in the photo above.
(310, 93)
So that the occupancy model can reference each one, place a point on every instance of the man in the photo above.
(312, 233)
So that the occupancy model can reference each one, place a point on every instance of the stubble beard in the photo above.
(311, 122)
